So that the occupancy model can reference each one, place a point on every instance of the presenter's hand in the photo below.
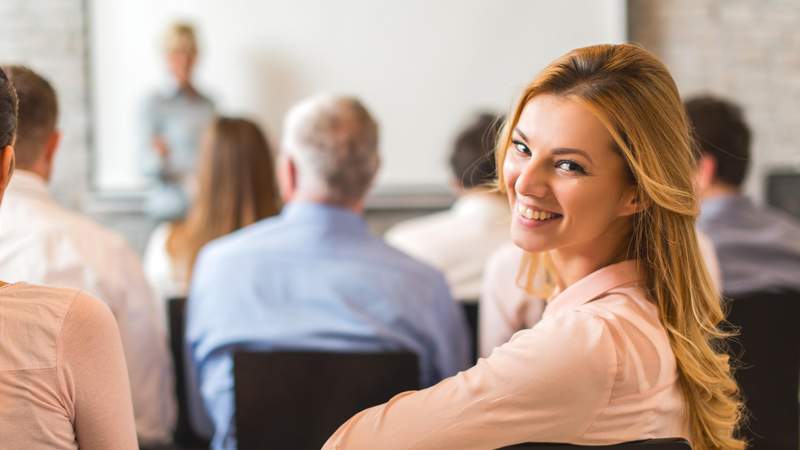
(160, 147)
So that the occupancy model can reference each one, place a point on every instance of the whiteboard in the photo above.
(423, 67)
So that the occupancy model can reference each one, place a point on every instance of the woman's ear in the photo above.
(633, 202)
(6, 168)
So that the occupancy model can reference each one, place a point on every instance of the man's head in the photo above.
(472, 160)
(8, 129)
(37, 136)
(722, 140)
(329, 152)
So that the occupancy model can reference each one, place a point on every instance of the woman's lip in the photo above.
(533, 223)
(533, 212)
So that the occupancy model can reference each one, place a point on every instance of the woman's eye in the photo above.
(570, 166)
(520, 147)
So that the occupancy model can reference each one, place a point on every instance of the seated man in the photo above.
(313, 277)
(758, 247)
(43, 243)
(459, 241)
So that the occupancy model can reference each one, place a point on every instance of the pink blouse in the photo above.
(597, 369)
(63, 382)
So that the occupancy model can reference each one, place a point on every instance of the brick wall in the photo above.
(49, 37)
(746, 50)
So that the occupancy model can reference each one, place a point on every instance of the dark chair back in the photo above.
(649, 444)
(768, 350)
(298, 399)
(470, 307)
(184, 435)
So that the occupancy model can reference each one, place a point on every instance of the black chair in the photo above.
(470, 307)
(768, 350)
(184, 436)
(296, 400)
(650, 444)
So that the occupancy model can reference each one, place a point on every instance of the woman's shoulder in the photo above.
(36, 317)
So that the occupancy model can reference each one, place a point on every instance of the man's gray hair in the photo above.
(334, 142)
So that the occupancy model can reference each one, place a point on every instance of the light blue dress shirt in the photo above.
(758, 247)
(311, 278)
(180, 118)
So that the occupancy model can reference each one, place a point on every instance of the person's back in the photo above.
(758, 247)
(63, 383)
(235, 187)
(44, 243)
(460, 240)
(314, 278)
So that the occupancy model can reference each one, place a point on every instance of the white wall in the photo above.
(422, 66)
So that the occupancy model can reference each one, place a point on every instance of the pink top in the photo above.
(597, 369)
(63, 382)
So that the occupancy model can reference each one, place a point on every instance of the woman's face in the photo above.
(567, 186)
(181, 64)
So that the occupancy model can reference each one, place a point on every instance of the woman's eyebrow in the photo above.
(567, 151)
(521, 134)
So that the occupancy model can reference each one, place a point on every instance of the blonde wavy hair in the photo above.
(634, 96)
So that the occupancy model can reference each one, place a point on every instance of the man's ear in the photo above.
(6, 168)
(51, 146)
(706, 172)
(287, 177)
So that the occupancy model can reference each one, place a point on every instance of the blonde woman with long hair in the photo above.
(236, 187)
(597, 166)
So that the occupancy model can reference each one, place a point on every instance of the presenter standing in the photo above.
(174, 119)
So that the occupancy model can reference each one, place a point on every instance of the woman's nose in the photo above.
(533, 180)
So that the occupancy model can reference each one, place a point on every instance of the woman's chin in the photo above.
(530, 245)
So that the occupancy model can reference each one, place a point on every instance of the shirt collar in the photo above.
(594, 285)
(714, 206)
(325, 215)
(28, 183)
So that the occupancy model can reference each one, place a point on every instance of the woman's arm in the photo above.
(547, 384)
(95, 377)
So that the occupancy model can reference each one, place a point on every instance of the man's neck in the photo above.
(720, 190)
(357, 208)
(38, 171)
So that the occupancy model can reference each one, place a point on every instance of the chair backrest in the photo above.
(470, 308)
(184, 434)
(768, 351)
(649, 444)
(298, 399)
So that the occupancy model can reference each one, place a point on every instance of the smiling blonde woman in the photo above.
(597, 167)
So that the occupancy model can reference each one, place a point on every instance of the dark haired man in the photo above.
(44, 243)
(758, 247)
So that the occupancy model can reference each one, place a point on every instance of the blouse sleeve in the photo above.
(548, 384)
(95, 377)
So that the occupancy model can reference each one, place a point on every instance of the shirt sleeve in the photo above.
(142, 326)
(548, 384)
(95, 377)
(149, 129)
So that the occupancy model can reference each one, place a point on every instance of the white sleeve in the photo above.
(142, 327)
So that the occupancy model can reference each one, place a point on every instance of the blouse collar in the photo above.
(594, 285)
